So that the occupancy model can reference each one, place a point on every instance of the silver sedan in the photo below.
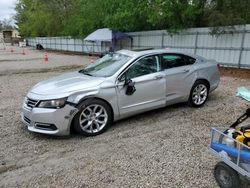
(119, 85)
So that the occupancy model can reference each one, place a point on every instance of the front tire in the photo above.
(93, 118)
(198, 94)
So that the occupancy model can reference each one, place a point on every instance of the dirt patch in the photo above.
(234, 72)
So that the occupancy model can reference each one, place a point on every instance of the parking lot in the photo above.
(168, 147)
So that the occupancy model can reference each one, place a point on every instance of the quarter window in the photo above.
(144, 66)
(189, 60)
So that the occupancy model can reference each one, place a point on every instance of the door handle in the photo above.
(186, 70)
(158, 77)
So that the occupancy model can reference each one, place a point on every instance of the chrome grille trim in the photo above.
(31, 102)
(27, 120)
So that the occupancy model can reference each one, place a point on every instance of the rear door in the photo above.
(180, 76)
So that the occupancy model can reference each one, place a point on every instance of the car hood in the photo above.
(66, 83)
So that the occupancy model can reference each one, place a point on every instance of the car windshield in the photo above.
(106, 66)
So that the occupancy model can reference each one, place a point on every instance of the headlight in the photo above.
(55, 103)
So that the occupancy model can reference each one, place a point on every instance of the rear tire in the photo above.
(93, 118)
(198, 94)
(225, 176)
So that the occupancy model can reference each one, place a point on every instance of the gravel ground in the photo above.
(161, 148)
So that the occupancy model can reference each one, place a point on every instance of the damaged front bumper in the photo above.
(49, 121)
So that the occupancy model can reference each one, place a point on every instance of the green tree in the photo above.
(228, 13)
(80, 17)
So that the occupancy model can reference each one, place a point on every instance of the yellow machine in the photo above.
(241, 134)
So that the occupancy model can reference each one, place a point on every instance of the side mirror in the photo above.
(128, 84)
(130, 87)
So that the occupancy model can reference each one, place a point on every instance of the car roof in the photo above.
(136, 54)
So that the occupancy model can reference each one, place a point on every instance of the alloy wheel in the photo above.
(93, 118)
(199, 94)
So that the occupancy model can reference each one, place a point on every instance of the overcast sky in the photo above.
(7, 9)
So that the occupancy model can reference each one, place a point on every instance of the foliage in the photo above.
(80, 17)
(225, 14)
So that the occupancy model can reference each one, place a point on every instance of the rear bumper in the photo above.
(214, 85)
(48, 121)
(215, 81)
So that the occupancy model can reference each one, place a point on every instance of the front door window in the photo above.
(144, 66)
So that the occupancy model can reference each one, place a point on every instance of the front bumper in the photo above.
(48, 121)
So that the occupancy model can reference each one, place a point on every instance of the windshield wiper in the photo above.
(85, 72)
(88, 74)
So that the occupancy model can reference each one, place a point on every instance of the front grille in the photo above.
(26, 119)
(31, 102)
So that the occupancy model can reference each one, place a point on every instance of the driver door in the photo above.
(149, 83)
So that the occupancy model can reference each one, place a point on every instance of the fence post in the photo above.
(162, 40)
(131, 42)
(241, 47)
(74, 45)
(82, 47)
(56, 39)
(67, 44)
(139, 41)
(196, 42)
(61, 43)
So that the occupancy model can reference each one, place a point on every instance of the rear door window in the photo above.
(175, 60)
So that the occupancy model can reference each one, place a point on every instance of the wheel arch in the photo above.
(91, 98)
(204, 80)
